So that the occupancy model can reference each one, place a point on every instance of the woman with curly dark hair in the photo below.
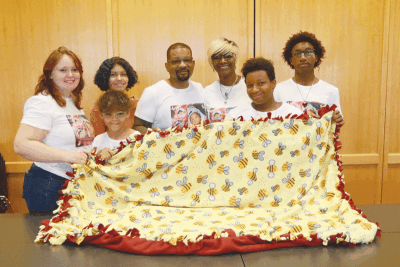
(303, 52)
(54, 131)
(117, 74)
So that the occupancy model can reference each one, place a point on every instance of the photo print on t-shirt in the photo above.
(218, 114)
(311, 107)
(83, 129)
(188, 114)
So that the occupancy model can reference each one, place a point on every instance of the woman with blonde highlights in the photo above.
(230, 90)
(54, 131)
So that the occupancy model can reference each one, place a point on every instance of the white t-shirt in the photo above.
(104, 141)
(321, 94)
(248, 112)
(165, 106)
(68, 128)
(215, 102)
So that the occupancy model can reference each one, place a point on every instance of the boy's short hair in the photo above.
(176, 46)
(259, 63)
(113, 101)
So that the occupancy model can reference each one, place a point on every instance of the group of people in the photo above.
(54, 131)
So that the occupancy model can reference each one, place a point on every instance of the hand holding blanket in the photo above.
(223, 187)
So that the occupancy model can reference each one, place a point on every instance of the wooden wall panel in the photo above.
(15, 184)
(147, 28)
(349, 33)
(353, 39)
(391, 174)
(360, 183)
(30, 31)
(360, 36)
(391, 185)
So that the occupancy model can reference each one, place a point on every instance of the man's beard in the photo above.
(183, 78)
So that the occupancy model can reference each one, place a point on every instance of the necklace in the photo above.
(225, 95)
(304, 100)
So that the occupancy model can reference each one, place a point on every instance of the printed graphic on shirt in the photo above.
(83, 129)
(186, 115)
(218, 114)
(311, 107)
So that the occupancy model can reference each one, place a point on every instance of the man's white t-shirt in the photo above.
(104, 141)
(68, 128)
(215, 102)
(165, 106)
(316, 96)
(248, 112)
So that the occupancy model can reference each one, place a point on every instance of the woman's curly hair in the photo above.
(102, 77)
(319, 49)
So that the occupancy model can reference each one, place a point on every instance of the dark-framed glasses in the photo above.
(118, 115)
(308, 53)
(177, 61)
(227, 57)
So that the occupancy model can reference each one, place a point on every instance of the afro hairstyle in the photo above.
(300, 37)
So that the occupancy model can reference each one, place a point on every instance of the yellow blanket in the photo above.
(278, 180)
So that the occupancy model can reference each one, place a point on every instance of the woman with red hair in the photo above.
(53, 132)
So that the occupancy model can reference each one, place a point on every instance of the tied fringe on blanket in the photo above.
(234, 186)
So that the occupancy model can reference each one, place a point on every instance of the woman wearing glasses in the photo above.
(114, 73)
(303, 52)
(230, 90)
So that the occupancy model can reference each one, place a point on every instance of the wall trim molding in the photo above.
(251, 29)
(360, 159)
(109, 29)
(18, 167)
(257, 30)
(394, 158)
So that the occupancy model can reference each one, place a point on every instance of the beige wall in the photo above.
(359, 35)
(391, 170)
(31, 31)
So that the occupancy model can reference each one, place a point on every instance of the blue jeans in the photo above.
(41, 190)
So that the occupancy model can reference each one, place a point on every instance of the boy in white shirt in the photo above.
(259, 75)
(303, 52)
(114, 107)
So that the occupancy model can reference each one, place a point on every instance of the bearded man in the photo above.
(168, 102)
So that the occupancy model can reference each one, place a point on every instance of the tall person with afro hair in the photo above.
(303, 52)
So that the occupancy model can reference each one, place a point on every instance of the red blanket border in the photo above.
(131, 242)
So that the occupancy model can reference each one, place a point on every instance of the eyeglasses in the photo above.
(177, 62)
(307, 53)
(118, 115)
(218, 58)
